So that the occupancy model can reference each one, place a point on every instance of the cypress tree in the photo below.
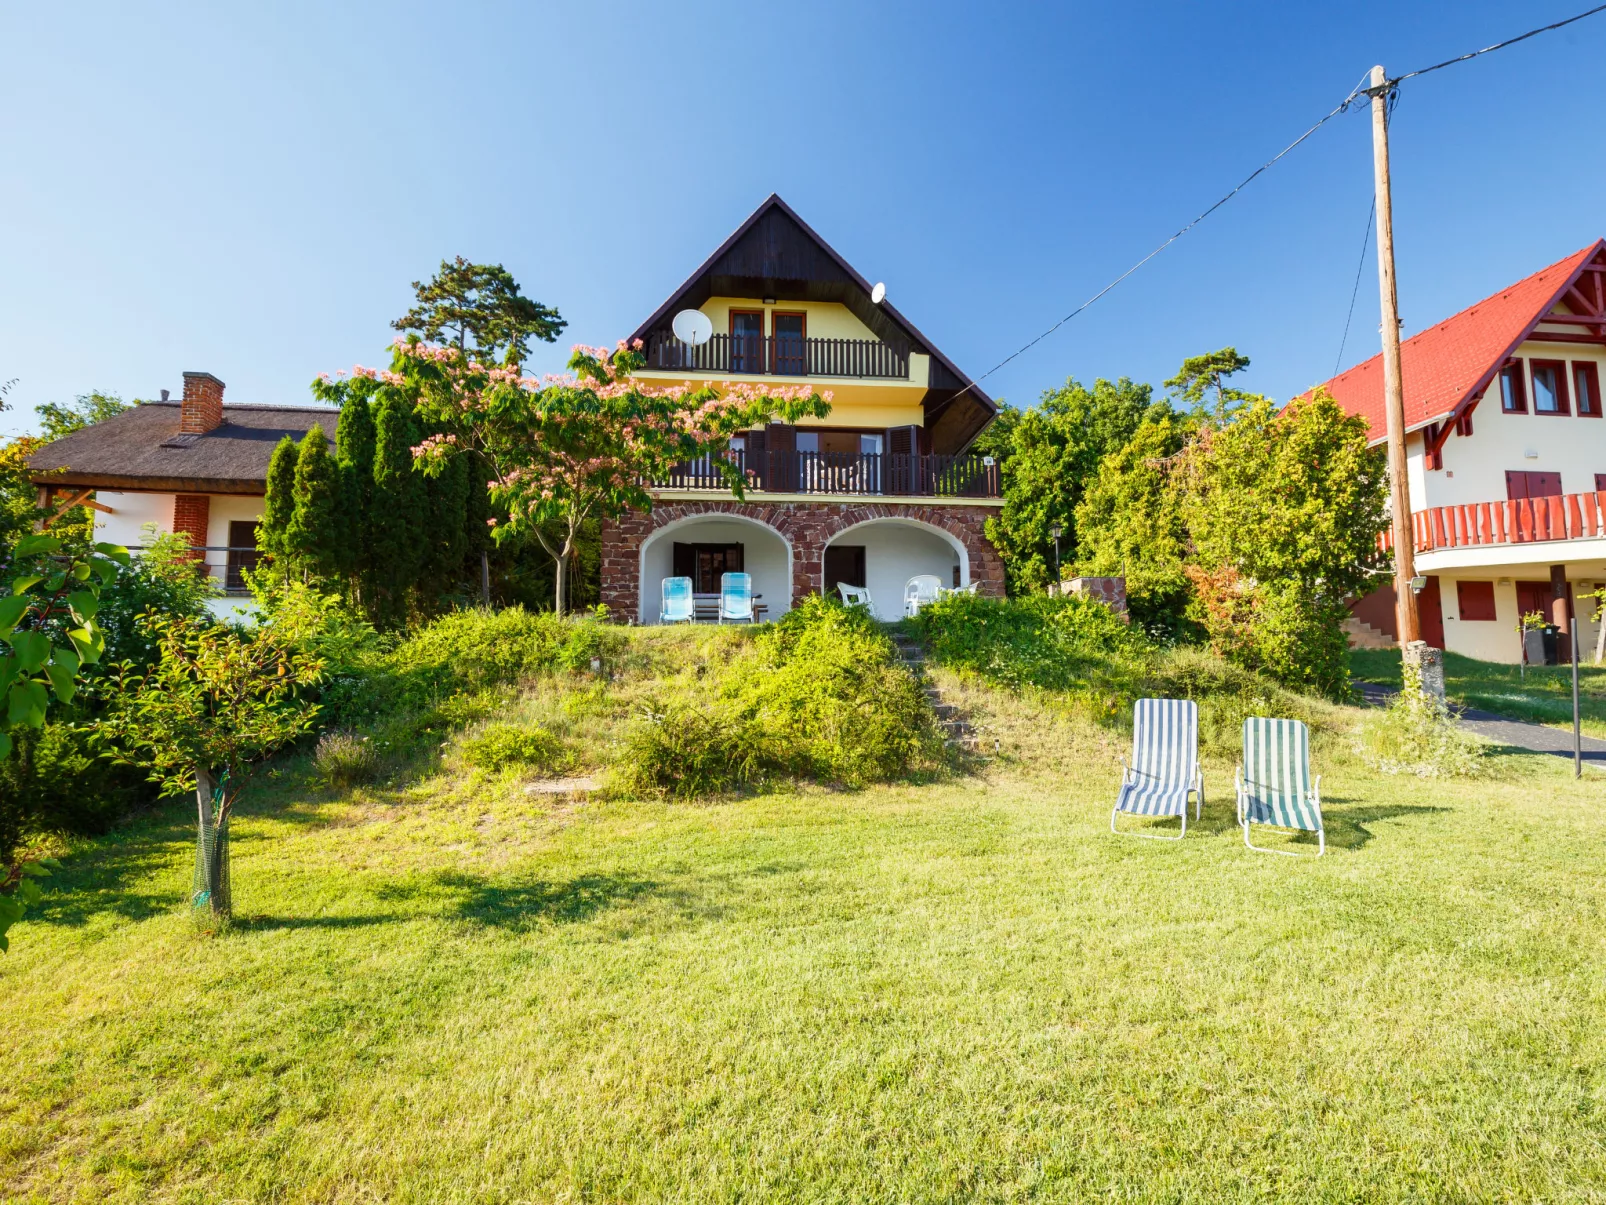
(313, 538)
(279, 504)
(354, 453)
(446, 534)
(399, 517)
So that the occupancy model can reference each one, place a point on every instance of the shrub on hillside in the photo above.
(1416, 735)
(344, 759)
(502, 745)
(820, 695)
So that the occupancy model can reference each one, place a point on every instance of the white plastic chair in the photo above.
(677, 606)
(855, 596)
(736, 597)
(919, 591)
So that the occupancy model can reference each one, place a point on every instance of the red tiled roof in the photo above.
(1444, 364)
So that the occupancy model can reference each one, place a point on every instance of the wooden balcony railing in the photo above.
(844, 473)
(781, 355)
(1515, 521)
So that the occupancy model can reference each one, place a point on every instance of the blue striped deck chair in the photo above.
(736, 597)
(1165, 765)
(1274, 783)
(677, 605)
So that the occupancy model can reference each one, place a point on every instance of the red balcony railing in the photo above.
(1515, 521)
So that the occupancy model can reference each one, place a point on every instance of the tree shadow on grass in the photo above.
(522, 904)
(128, 873)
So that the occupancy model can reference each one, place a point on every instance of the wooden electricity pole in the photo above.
(1405, 613)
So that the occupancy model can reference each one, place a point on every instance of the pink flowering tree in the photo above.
(561, 449)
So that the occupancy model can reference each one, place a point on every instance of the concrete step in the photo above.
(1362, 635)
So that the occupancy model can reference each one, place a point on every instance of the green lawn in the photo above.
(963, 991)
(1543, 694)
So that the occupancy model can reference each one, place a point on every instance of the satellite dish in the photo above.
(878, 294)
(693, 326)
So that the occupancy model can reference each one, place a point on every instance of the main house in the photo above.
(876, 493)
(1507, 460)
(196, 466)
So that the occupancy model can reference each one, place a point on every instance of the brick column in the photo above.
(202, 407)
(191, 513)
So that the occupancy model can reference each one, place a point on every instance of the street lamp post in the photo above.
(1056, 533)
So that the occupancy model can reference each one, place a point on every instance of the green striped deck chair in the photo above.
(1274, 783)
(1165, 765)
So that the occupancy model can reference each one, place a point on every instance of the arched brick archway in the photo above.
(806, 528)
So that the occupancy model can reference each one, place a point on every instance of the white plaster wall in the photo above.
(764, 555)
(1475, 466)
(227, 508)
(896, 551)
(130, 512)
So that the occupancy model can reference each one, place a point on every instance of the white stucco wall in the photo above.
(132, 511)
(897, 550)
(765, 556)
(1475, 466)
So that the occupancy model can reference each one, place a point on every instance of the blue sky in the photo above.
(249, 190)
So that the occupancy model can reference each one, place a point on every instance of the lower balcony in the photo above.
(1509, 522)
(850, 473)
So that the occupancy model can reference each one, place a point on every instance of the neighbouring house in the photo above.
(1507, 461)
(196, 466)
(878, 492)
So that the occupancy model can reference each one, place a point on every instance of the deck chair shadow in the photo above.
(736, 598)
(1165, 765)
(918, 591)
(1274, 784)
(677, 605)
(855, 596)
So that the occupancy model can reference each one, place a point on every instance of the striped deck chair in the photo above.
(1165, 765)
(1274, 783)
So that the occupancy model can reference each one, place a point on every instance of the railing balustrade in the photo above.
(1513, 521)
(842, 473)
(226, 570)
(781, 355)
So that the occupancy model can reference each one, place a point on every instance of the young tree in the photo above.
(479, 308)
(354, 454)
(204, 719)
(313, 536)
(279, 505)
(1200, 374)
(399, 516)
(1057, 447)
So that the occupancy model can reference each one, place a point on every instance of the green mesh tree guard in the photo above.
(210, 896)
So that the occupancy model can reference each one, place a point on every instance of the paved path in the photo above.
(1503, 730)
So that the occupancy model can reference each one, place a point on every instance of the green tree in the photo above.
(354, 453)
(1201, 374)
(399, 516)
(1283, 511)
(204, 719)
(1129, 524)
(480, 309)
(1056, 449)
(313, 536)
(998, 437)
(445, 534)
(279, 505)
(63, 418)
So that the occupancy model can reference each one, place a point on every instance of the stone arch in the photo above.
(669, 521)
(898, 546)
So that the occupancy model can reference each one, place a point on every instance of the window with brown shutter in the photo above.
(1476, 600)
(1586, 388)
(1513, 393)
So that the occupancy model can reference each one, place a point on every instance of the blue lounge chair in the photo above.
(677, 605)
(736, 598)
(1165, 765)
(1274, 784)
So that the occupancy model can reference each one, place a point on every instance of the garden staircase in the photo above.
(957, 731)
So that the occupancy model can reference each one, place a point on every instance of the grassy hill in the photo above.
(445, 988)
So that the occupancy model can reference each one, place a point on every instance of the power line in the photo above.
(1355, 292)
(1343, 106)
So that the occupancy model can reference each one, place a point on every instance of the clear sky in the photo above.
(249, 190)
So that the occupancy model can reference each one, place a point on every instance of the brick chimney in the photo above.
(202, 407)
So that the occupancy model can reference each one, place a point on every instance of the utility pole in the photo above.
(1405, 613)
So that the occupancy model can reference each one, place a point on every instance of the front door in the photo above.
(844, 564)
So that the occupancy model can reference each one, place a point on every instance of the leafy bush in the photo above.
(54, 781)
(344, 759)
(502, 745)
(1226, 694)
(1416, 734)
(819, 695)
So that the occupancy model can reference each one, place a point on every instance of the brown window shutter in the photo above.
(898, 466)
(781, 440)
(685, 560)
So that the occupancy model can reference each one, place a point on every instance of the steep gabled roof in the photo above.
(1448, 364)
(775, 253)
(139, 450)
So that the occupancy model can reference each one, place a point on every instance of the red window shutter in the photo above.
(1516, 484)
(1544, 485)
(1476, 601)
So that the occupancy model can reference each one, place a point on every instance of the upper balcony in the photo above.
(781, 356)
(1502, 528)
(843, 473)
